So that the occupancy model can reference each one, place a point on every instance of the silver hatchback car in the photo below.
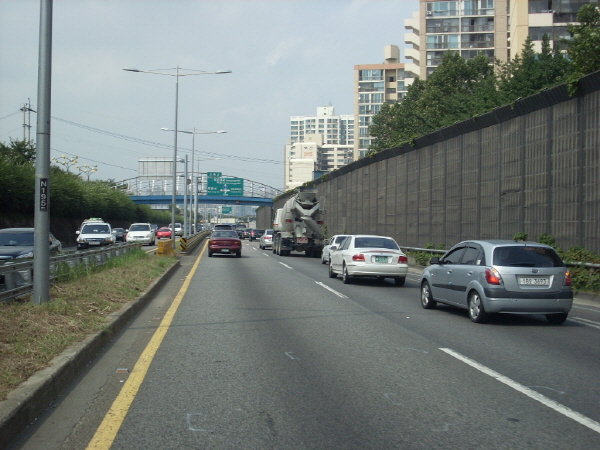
(499, 276)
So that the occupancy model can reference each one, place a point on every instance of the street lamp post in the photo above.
(177, 74)
(194, 132)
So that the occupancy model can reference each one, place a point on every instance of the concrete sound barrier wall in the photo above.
(532, 167)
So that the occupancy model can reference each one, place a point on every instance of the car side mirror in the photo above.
(77, 232)
(434, 260)
(333, 248)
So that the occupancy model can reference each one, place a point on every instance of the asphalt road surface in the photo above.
(268, 352)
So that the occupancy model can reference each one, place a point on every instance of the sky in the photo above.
(287, 58)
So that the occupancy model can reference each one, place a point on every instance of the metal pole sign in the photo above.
(44, 194)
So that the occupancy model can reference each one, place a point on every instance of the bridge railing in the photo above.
(143, 186)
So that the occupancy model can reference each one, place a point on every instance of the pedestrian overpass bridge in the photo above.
(160, 192)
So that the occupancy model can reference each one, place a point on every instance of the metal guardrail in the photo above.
(16, 278)
(195, 239)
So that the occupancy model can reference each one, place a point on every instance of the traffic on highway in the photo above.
(267, 351)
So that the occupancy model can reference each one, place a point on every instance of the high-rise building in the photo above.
(375, 84)
(496, 28)
(317, 145)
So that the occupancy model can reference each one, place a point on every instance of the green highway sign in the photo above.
(219, 185)
(226, 209)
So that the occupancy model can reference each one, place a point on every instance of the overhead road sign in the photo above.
(226, 186)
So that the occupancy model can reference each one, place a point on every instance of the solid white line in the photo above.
(285, 265)
(584, 308)
(587, 322)
(339, 294)
(578, 417)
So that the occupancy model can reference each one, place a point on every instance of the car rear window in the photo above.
(371, 242)
(224, 233)
(526, 256)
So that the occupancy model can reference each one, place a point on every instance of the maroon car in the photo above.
(225, 243)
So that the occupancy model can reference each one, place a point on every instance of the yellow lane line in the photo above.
(108, 429)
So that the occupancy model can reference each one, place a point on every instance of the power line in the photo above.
(161, 145)
(93, 160)
(10, 115)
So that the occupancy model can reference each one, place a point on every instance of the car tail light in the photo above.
(568, 278)
(359, 257)
(492, 276)
(402, 259)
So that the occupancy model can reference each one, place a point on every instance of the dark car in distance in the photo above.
(256, 234)
(119, 234)
(17, 243)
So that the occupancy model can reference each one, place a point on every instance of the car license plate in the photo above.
(225, 250)
(94, 243)
(381, 259)
(302, 240)
(534, 281)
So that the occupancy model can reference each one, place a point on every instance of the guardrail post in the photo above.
(10, 278)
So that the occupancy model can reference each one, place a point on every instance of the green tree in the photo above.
(529, 72)
(460, 89)
(20, 152)
(584, 46)
(457, 90)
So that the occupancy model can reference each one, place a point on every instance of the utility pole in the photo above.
(27, 119)
(41, 259)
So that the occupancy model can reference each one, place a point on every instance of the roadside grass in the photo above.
(31, 335)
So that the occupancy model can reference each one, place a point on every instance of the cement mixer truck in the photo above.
(298, 226)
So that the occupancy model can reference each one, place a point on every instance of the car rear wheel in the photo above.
(557, 319)
(476, 311)
(210, 254)
(238, 255)
(345, 277)
(400, 281)
(332, 274)
(427, 300)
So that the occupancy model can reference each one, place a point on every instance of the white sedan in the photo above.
(141, 232)
(368, 256)
(334, 240)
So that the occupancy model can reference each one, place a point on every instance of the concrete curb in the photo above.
(25, 403)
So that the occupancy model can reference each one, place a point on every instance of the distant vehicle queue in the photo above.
(95, 232)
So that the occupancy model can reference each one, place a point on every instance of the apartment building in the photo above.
(317, 145)
(375, 84)
(496, 28)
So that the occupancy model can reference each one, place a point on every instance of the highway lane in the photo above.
(268, 352)
(511, 344)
